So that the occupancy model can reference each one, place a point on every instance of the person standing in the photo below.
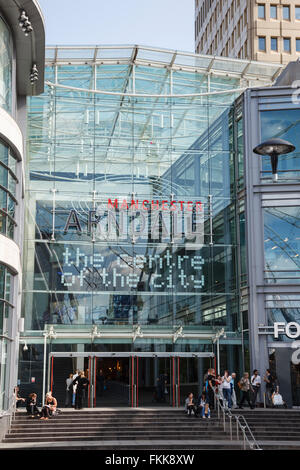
(226, 388)
(100, 383)
(75, 375)
(81, 383)
(69, 390)
(256, 384)
(270, 381)
(233, 385)
(161, 387)
(209, 389)
(245, 390)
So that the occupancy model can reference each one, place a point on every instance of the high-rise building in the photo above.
(262, 30)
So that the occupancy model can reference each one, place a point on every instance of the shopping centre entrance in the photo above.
(131, 379)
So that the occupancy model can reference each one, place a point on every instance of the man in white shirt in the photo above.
(255, 385)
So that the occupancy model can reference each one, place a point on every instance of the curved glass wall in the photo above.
(6, 57)
(8, 183)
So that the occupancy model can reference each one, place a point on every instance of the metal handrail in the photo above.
(241, 424)
(10, 412)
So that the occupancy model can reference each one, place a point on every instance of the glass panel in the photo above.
(282, 244)
(274, 44)
(283, 124)
(287, 44)
(6, 54)
(261, 11)
(286, 12)
(262, 43)
(273, 12)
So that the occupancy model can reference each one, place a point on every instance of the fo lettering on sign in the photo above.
(291, 330)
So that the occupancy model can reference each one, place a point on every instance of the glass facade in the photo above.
(135, 226)
(131, 216)
(6, 56)
(8, 184)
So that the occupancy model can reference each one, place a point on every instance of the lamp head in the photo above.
(274, 147)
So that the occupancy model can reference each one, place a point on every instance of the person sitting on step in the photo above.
(50, 406)
(190, 405)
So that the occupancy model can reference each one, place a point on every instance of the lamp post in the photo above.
(274, 148)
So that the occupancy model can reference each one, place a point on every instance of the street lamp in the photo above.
(274, 148)
(216, 339)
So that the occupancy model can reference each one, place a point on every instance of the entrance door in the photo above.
(156, 377)
(111, 381)
(130, 379)
(60, 370)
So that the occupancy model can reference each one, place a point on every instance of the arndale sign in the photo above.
(120, 219)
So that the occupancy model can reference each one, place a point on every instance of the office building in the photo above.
(266, 31)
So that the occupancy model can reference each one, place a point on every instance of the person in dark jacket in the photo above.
(31, 406)
(82, 383)
(100, 381)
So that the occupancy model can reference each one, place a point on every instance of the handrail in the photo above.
(241, 424)
(10, 412)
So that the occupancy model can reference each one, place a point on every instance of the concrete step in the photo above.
(153, 445)
(113, 436)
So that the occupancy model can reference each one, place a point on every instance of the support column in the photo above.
(80, 360)
(283, 372)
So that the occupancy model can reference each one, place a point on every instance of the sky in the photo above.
(161, 23)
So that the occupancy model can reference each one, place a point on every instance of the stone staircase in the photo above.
(149, 428)
(273, 429)
(118, 429)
